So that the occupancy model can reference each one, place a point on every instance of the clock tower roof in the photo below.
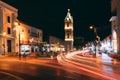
(68, 16)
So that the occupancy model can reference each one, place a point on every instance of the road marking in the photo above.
(11, 75)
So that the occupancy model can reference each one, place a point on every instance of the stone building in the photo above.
(8, 15)
(14, 34)
(54, 43)
(115, 22)
(29, 36)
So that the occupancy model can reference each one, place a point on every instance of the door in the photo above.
(9, 45)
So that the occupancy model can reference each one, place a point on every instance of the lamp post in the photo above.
(17, 24)
(96, 36)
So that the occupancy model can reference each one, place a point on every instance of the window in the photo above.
(9, 31)
(68, 35)
(29, 31)
(67, 24)
(8, 19)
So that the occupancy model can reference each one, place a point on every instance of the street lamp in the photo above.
(96, 36)
(17, 28)
(94, 28)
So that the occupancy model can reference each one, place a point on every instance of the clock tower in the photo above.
(68, 27)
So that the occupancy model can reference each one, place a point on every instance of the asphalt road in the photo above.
(37, 69)
(101, 67)
(69, 66)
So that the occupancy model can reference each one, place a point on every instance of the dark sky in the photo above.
(49, 15)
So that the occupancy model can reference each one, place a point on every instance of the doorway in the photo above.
(9, 42)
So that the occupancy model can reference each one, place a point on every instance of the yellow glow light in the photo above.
(4, 33)
(91, 27)
(16, 23)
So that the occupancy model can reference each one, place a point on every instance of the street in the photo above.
(101, 67)
(36, 69)
(60, 40)
(70, 66)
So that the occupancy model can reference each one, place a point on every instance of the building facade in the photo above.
(35, 38)
(54, 44)
(19, 36)
(28, 37)
(115, 22)
(8, 15)
(68, 27)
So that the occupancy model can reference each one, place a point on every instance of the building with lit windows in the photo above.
(16, 37)
(8, 15)
(30, 38)
(35, 38)
(54, 44)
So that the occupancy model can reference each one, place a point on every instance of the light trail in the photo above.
(67, 60)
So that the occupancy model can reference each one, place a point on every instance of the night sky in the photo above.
(49, 15)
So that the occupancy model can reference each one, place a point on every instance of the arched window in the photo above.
(67, 24)
(68, 35)
(9, 30)
(8, 19)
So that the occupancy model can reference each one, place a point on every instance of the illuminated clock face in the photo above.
(67, 18)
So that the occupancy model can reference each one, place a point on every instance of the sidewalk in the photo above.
(107, 59)
(32, 56)
(102, 57)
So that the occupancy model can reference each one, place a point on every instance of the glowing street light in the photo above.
(96, 36)
(95, 31)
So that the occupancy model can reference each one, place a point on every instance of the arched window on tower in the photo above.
(68, 35)
(67, 24)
